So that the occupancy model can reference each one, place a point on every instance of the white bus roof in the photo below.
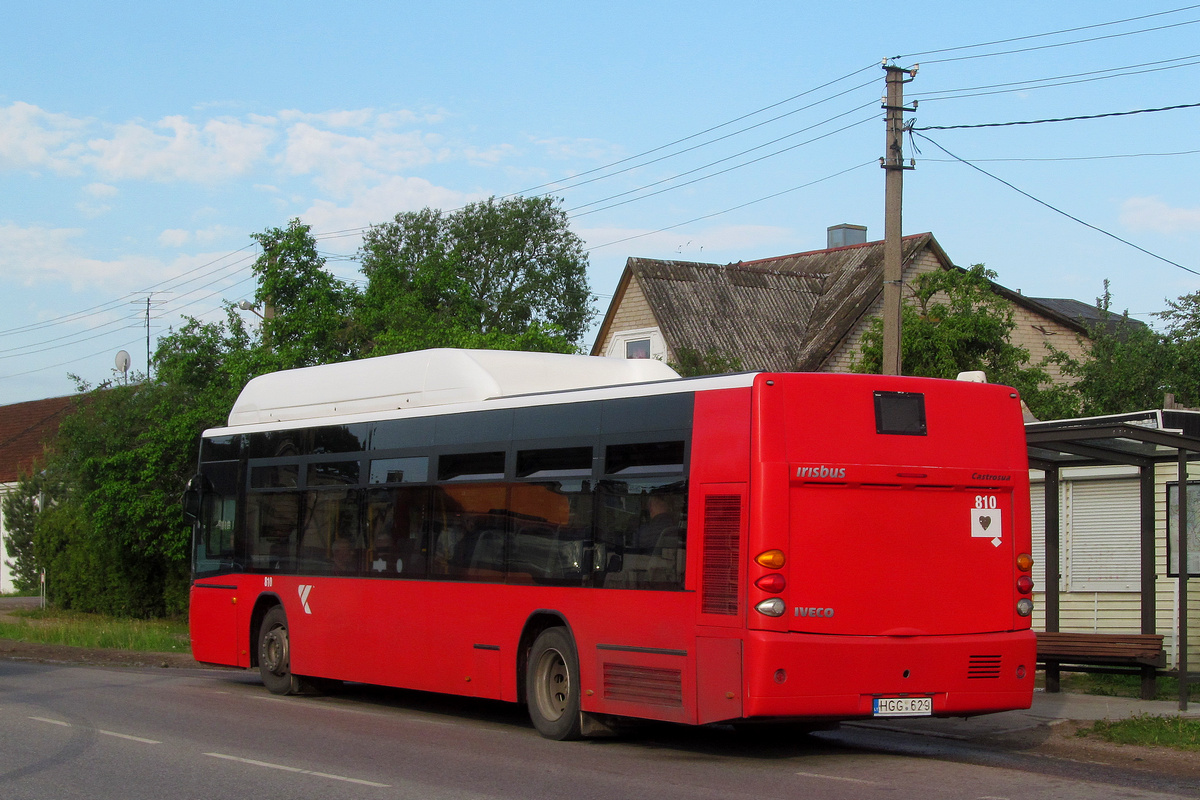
(428, 378)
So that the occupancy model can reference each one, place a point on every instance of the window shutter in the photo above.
(1104, 524)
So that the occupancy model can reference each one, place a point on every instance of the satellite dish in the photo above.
(122, 361)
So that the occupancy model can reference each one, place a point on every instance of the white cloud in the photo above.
(341, 162)
(219, 148)
(92, 210)
(94, 206)
(590, 149)
(217, 233)
(101, 190)
(689, 244)
(174, 237)
(382, 202)
(37, 254)
(31, 138)
(488, 156)
(1152, 214)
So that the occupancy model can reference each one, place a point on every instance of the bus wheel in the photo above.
(274, 654)
(552, 685)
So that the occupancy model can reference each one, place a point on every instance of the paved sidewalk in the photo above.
(1048, 709)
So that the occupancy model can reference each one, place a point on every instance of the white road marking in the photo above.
(298, 770)
(106, 733)
(836, 778)
(127, 736)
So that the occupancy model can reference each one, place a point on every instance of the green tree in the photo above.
(1127, 368)
(308, 313)
(503, 274)
(111, 539)
(111, 535)
(20, 507)
(1130, 367)
(955, 322)
(499, 274)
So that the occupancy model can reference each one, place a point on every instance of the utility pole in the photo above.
(149, 301)
(148, 337)
(893, 255)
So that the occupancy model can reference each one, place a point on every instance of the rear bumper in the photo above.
(804, 675)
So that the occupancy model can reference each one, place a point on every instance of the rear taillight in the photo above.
(773, 583)
(1024, 584)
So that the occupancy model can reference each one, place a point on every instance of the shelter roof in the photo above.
(1137, 439)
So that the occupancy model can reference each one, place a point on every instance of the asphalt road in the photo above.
(97, 733)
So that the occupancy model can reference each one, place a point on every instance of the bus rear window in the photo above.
(400, 470)
(557, 462)
(278, 476)
(900, 413)
(643, 458)
(471, 466)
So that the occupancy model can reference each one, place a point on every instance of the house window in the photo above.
(639, 343)
(637, 348)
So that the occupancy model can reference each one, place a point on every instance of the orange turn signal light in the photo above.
(771, 559)
(1025, 562)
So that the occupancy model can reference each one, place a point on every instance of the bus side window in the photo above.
(215, 544)
(397, 522)
(330, 541)
(646, 518)
(551, 536)
(272, 524)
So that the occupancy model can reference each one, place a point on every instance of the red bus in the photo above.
(600, 539)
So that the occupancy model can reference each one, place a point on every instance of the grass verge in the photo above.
(1167, 688)
(76, 629)
(1148, 731)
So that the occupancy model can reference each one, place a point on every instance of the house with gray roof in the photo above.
(802, 312)
(24, 430)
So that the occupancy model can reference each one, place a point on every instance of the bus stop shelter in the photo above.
(1140, 440)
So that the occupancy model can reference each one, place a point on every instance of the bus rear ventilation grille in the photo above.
(649, 685)
(984, 667)
(719, 589)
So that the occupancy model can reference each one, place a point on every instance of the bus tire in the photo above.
(275, 654)
(552, 685)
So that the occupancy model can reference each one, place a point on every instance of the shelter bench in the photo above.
(1136, 653)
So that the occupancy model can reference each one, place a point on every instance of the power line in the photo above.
(1058, 119)
(1060, 80)
(1067, 158)
(694, 135)
(1054, 33)
(71, 361)
(96, 310)
(1058, 210)
(348, 232)
(722, 138)
(723, 171)
(733, 208)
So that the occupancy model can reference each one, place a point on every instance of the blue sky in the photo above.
(142, 143)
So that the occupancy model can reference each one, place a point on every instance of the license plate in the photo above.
(903, 706)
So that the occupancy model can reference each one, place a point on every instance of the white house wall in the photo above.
(6, 583)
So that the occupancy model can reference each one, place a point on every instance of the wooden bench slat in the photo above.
(1101, 648)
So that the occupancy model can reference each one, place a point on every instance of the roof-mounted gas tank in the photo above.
(428, 378)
